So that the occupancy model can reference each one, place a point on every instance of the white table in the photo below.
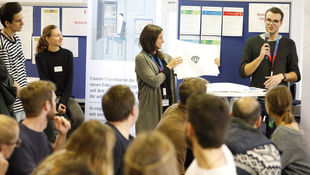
(234, 91)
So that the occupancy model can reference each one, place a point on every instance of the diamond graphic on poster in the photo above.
(195, 59)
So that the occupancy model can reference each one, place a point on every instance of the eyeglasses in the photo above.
(275, 21)
(17, 143)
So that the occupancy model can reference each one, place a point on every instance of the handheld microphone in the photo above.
(267, 37)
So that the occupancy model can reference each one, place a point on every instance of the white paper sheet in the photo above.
(141, 23)
(211, 20)
(49, 16)
(225, 86)
(35, 40)
(189, 38)
(27, 19)
(72, 44)
(74, 21)
(198, 59)
(257, 16)
(25, 39)
(190, 20)
(26, 33)
(213, 40)
(232, 21)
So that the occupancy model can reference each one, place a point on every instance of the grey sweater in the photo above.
(295, 157)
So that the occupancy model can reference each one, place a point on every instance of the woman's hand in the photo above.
(217, 61)
(174, 62)
(61, 109)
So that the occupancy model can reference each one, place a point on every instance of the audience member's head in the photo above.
(62, 163)
(193, 85)
(118, 103)
(247, 109)
(208, 119)
(9, 135)
(8, 11)
(279, 102)
(93, 143)
(47, 33)
(38, 97)
(151, 153)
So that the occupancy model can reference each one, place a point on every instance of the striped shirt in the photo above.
(12, 55)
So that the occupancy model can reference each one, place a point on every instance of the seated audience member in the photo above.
(120, 110)
(254, 153)
(55, 64)
(9, 139)
(173, 122)
(91, 144)
(39, 102)
(151, 153)
(288, 136)
(207, 124)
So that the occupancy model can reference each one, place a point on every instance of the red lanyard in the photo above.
(275, 51)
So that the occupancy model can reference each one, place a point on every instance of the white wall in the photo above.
(305, 98)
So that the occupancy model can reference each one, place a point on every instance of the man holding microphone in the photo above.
(273, 62)
(270, 59)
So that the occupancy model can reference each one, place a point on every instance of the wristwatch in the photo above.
(284, 76)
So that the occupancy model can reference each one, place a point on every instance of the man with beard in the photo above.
(39, 102)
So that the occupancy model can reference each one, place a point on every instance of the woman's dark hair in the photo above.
(47, 32)
(148, 39)
(8, 10)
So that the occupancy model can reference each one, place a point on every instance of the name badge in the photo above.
(165, 102)
(58, 69)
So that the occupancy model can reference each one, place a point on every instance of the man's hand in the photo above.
(4, 164)
(62, 109)
(62, 125)
(265, 50)
(18, 89)
(273, 80)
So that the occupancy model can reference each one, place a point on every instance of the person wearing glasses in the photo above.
(9, 139)
(273, 62)
(270, 60)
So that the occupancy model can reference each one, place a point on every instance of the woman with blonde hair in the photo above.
(62, 163)
(9, 139)
(55, 64)
(288, 136)
(151, 153)
(92, 143)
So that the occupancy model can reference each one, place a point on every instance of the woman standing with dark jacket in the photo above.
(56, 64)
(155, 76)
